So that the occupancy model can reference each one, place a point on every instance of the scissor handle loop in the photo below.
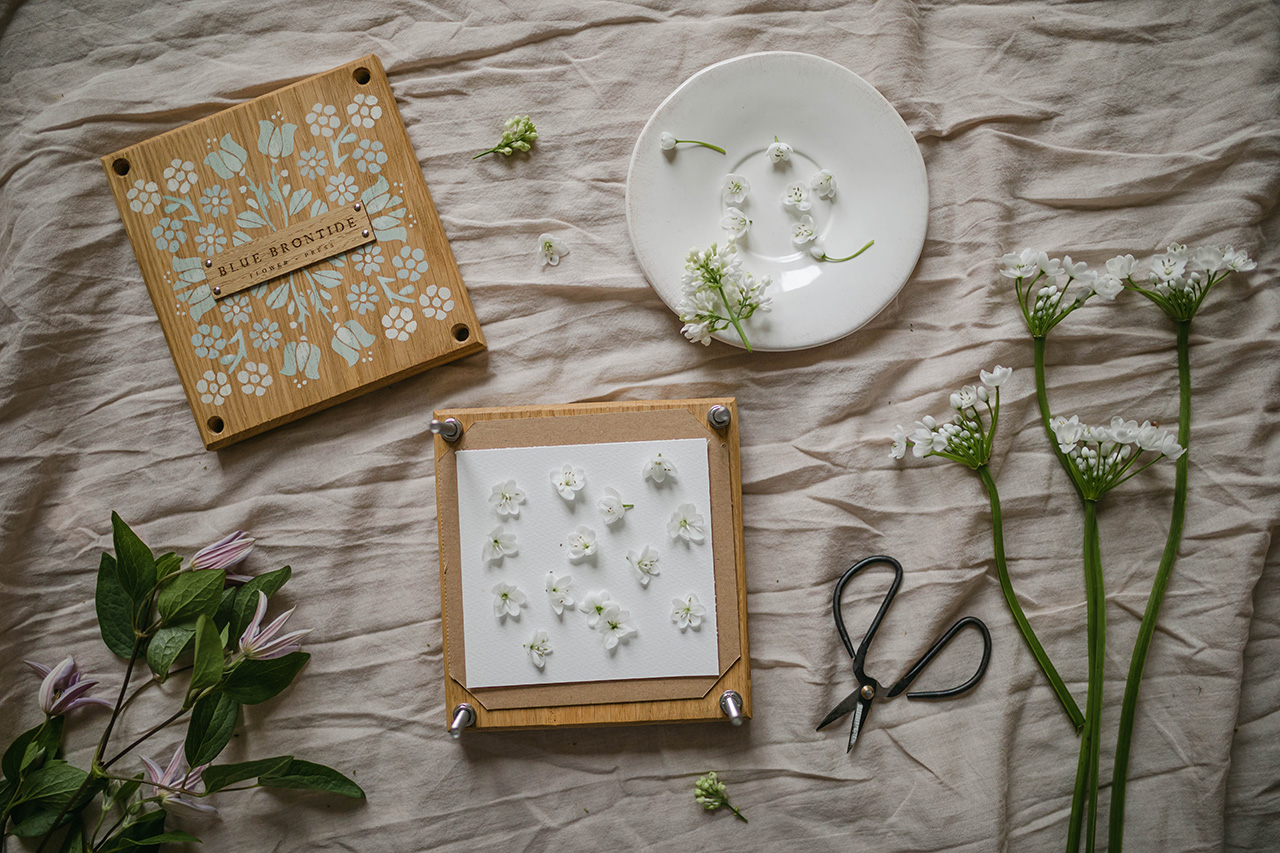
(906, 680)
(860, 654)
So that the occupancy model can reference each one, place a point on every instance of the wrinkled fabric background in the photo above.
(1091, 129)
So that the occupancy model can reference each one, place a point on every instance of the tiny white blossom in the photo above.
(1067, 432)
(1166, 268)
(899, 437)
(1051, 267)
(1121, 266)
(735, 222)
(802, 232)
(500, 544)
(568, 481)
(778, 151)
(594, 605)
(687, 612)
(817, 251)
(507, 601)
(797, 195)
(659, 468)
(1238, 260)
(997, 377)
(1108, 286)
(824, 184)
(612, 509)
(644, 563)
(686, 524)
(558, 592)
(539, 647)
(551, 250)
(735, 189)
(582, 543)
(1024, 264)
(965, 398)
(615, 624)
(667, 141)
(506, 499)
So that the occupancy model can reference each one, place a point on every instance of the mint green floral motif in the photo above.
(436, 302)
(169, 235)
(199, 298)
(301, 357)
(312, 163)
(363, 111)
(369, 156)
(254, 378)
(236, 309)
(323, 120)
(211, 240)
(342, 188)
(367, 259)
(228, 160)
(180, 176)
(350, 341)
(275, 140)
(411, 263)
(215, 200)
(213, 387)
(208, 341)
(398, 323)
(266, 335)
(385, 211)
(144, 197)
(363, 297)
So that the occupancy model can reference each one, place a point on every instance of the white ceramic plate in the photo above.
(834, 120)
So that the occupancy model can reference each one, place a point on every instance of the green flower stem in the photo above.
(159, 727)
(1148, 627)
(736, 813)
(1086, 786)
(703, 144)
(1006, 586)
(1042, 399)
(825, 257)
(732, 319)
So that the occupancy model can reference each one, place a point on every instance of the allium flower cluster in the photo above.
(518, 135)
(964, 438)
(1102, 456)
(718, 293)
(1180, 278)
(1042, 283)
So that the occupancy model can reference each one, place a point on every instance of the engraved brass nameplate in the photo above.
(289, 249)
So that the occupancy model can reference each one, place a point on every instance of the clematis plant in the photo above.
(718, 294)
(195, 623)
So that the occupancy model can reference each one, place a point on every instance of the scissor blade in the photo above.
(850, 702)
(859, 717)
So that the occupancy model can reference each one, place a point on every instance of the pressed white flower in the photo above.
(802, 232)
(824, 184)
(568, 481)
(735, 189)
(659, 468)
(615, 624)
(551, 250)
(899, 448)
(499, 544)
(686, 524)
(594, 605)
(507, 601)
(667, 141)
(797, 196)
(506, 499)
(644, 563)
(687, 612)
(582, 543)
(778, 151)
(558, 592)
(735, 222)
(997, 377)
(612, 509)
(539, 647)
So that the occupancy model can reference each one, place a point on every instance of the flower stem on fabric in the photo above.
(709, 792)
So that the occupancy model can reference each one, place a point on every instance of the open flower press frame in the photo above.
(598, 703)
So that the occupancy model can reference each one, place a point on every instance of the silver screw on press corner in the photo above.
(719, 416)
(449, 429)
(731, 704)
(463, 715)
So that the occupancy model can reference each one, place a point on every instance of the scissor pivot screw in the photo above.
(868, 692)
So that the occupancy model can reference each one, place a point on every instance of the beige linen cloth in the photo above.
(1091, 129)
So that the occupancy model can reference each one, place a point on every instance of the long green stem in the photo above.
(1085, 795)
(1042, 399)
(733, 319)
(149, 733)
(1006, 586)
(1147, 629)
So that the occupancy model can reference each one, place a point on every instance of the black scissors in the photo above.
(859, 701)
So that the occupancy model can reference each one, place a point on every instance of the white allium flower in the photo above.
(1206, 259)
(558, 592)
(797, 196)
(1121, 266)
(1238, 260)
(507, 601)
(735, 222)
(686, 524)
(506, 499)
(802, 232)
(824, 184)
(687, 612)
(612, 509)
(965, 398)
(499, 544)
(1166, 268)
(551, 250)
(1067, 432)
(1052, 267)
(539, 647)
(735, 189)
(659, 468)
(899, 437)
(817, 251)
(1108, 286)
(582, 543)
(667, 141)
(778, 151)
(594, 605)
(1024, 264)
(1073, 270)
(615, 624)
(568, 481)
(1122, 431)
(644, 563)
(997, 377)
(983, 394)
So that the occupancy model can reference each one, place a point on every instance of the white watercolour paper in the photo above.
(495, 653)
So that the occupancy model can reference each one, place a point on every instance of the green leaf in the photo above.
(32, 819)
(256, 681)
(135, 564)
(148, 824)
(247, 597)
(54, 783)
(7, 790)
(167, 565)
(13, 756)
(176, 835)
(222, 775)
(190, 594)
(168, 643)
(73, 842)
(115, 609)
(207, 669)
(213, 719)
(226, 606)
(46, 744)
(315, 777)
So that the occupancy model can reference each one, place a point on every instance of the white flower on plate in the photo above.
(539, 647)
(735, 189)
(686, 524)
(594, 605)
(551, 250)
(558, 592)
(997, 377)
(612, 509)
(659, 468)
(778, 151)
(824, 184)
(582, 543)
(568, 481)
(500, 544)
(507, 601)
(817, 251)
(667, 141)
(735, 222)
(802, 232)
(797, 196)
(644, 564)
(506, 499)
(687, 612)
(615, 624)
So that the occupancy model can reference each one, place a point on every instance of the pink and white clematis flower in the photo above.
(262, 643)
(65, 688)
(180, 802)
(225, 553)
